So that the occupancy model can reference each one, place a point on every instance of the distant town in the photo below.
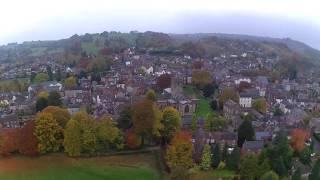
(243, 106)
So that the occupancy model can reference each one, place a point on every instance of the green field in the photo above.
(90, 48)
(203, 108)
(60, 167)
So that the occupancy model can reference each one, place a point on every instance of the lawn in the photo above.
(214, 174)
(203, 107)
(60, 167)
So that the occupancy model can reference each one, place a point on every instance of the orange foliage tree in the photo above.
(298, 138)
(28, 143)
(179, 153)
(132, 140)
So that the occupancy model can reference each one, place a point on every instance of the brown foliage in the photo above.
(61, 115)
(132, 140)
(243, 85)
(164, 81)
(28, 143)
(9, 141)
(298, 138)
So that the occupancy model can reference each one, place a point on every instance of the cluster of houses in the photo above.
(131, 75)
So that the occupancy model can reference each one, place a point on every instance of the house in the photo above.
(246, 97)
(252, 146)
(231, 111)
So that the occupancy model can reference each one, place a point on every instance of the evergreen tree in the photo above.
(245, 132)
(224, 152)
(216, 156)
(206, 158)
(315, 172)
(41, 104)
(297, 174)
(49, 72)
(72, 138)
(249, 168)
(194, 123)
(305, 156)
(232, 161)
(271, 175)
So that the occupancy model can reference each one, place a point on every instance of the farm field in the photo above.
(60, 167)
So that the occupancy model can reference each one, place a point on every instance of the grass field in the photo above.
(203, 108)
(214, 174)
(60, 167)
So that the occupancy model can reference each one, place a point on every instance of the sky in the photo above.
(23, 20)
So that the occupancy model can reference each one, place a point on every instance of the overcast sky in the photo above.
(24, 20)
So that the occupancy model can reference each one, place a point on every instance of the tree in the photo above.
(54, 99)
(305, 156)
(146, 119)
(41, 77)
(179, 152)
(226, 94)
(151, 95)
(43, 94)
(232, 161)
(58, 75)
(224, 151)
(41, 104)
(48, 133)
(243, 85)
(297, 174)
(164, 81)
(271, 175)
(72, 138)
(216, 156)
(132, 140)
(315, 172)
(125, 118)
(9, 141)
(280, 154)
(245, 132)
(249, 167)
(70, 82)
(28, 142)
(201, 78)
(107, 134)
(206, 158)
(214, 105)
(61, 115)
(214, 122)
(179, 173)
(298, 138)
(260, 105)
(208, 90)
(171, 121)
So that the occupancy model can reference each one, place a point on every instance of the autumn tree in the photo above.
(171, 121)
(108, 134)
(226, 94)
(206, 158)
(260, 105)
(132, 140)
(54, 99)
(245, 132)
(179, 152)
(146, 119)
(48, 133)
(201, 78)
(9, 141)
(43, 94)
(70, 82)
(28, 142)
(214, 122)
(61, 115)
(151, 95)
(298, 138)
(72, 138)
(164, 81)
(41, 77)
